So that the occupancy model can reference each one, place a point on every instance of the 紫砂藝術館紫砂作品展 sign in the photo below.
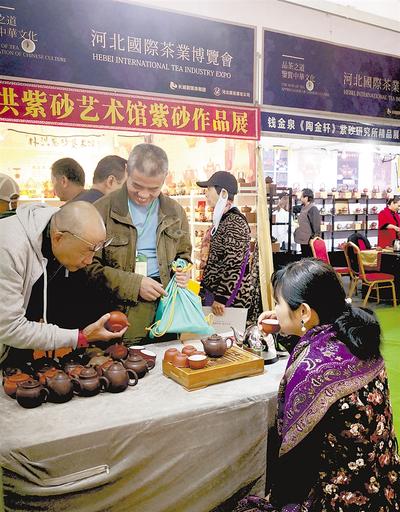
(307, 74)
(122, 46)
(82, 108)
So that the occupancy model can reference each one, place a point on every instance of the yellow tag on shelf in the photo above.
(194, 286)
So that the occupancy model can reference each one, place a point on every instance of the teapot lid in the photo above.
(116, 366)
(213, 337)
(30, 384)
(87, 372)
(59, 375)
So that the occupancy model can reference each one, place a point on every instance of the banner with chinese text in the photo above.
(308, 74)
(118, 45)
(274, 122)
(62, 106)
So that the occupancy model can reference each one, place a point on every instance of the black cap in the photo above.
(223, 179)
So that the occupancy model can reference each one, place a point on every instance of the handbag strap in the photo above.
(239, 281)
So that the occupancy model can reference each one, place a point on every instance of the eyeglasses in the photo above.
(93, 247)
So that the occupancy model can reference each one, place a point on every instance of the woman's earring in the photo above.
(303, 327)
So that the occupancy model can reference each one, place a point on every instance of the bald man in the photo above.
(37, 245)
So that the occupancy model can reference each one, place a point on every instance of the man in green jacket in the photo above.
(150, 231)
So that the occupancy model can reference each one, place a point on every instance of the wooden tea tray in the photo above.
(235, 363)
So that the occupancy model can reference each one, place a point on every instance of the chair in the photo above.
(364, 245)
(377, 280)
(319, 251)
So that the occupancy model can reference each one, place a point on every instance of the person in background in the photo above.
(389, 223)
(280, 232)
(68, 179)
(150, 231)
(9, 195)
(109, 175)
(309, 222)
(36, 245)
(336, 449)
(225, 247)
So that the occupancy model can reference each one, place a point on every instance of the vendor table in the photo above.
(155, 447)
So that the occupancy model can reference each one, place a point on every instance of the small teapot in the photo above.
(117, 378)
(139, 365)
(215, 345)
(60, 387)
(88, 383)
(117, 351)
(31, 394)
(12, 382)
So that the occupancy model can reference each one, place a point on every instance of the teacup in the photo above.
(197, 361)
(188, 350)
(148, 355)
(270, 325)
(169, 354)
(136, 349)
(180, 360)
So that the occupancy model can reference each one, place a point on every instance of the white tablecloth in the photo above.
(155, 447)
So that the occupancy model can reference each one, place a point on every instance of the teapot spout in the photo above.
(238, 337)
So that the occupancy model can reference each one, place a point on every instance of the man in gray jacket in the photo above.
(309, 222)
(35, 245)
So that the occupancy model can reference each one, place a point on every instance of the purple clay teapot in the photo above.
(215, 345)
(117, 351)
(88, 383)
(138, 364)
(60, 387)
(117, 378)
(31, 394)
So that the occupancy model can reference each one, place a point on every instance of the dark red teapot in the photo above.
(139, 365)
(60, 387)
(117, 378)
(117, 351)
(88, 382)
(31, 394)
(215, 345)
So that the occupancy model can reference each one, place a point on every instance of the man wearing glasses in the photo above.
(150, 231)
(37, 246)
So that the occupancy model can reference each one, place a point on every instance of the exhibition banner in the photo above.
(119, 45)
(273, 122)
(62, 106)
(314, 75)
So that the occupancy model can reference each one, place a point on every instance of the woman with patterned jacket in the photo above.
(225, 248)
(336, 447)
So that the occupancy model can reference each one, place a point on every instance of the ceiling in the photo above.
(383, 13)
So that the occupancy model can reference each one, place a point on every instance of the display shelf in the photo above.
(361, 218)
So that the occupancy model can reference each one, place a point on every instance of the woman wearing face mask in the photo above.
(225, 247)
(335, 443)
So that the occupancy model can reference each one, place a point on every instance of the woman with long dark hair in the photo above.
(336, 447)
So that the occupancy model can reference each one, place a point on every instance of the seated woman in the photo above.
(336, 446)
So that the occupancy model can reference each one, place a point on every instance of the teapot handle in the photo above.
(133, 377)
(104, 383)
(45, 394)
(226, 341)
(150, 364)
(76, 384)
